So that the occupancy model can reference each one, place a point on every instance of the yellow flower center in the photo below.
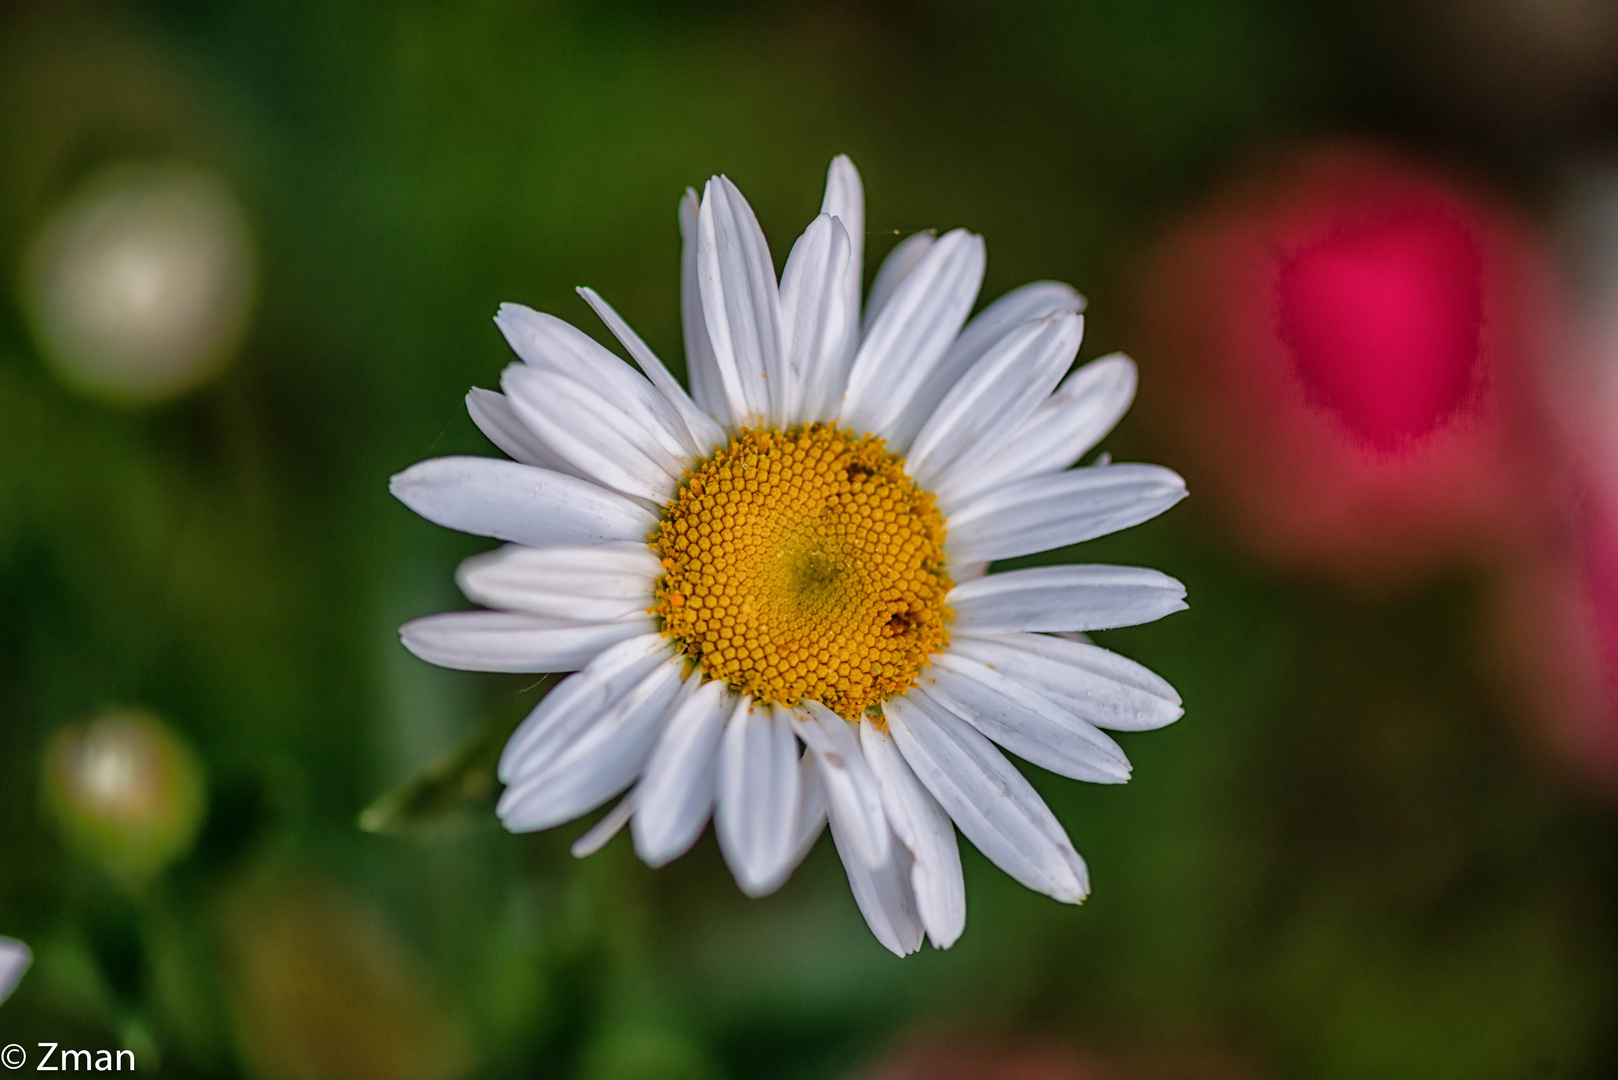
(804, 564)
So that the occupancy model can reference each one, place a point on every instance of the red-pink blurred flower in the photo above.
(1344, 345)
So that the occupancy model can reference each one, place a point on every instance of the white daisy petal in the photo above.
(851, 789)
(1039, 302)
(519, 503)
(494, 416)
(815, 323)
(756, 816)
(904, 257)
(704, 434)
(910, 336)
(882, 892)
(740, 300)
(988, 799)
(508, 641)
(1095, 685)
(600, 762)
(1057, 509)
(845, 200)
(576, 702)
(1032, 726)
(701, 368)
(994, 396)
(1064, 598)
(1036, 301)
(676, 794)
(923, 827)
(811, 814)
(609, 583)
(592, 433)
(551, 346)
(14, 960)
(1064, 427)
(611, 823)
(962, 572)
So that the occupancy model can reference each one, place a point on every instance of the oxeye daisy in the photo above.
(773, 588)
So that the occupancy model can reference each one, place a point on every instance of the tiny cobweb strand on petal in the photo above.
(575, 702)
(883, 892)
(498, 421)
(845, 201)
(814, 322)
(519, 503)
(740, 298)
(988, 799)
(700, 364)
(1101, 687)
(1049, 598)
(1026, 723)
(996, 394)
(1063, 429)
(703, 435)
(910, 336)
(1056, 509)
(677, 791)
(609, 583)
(513, 641)
(757, 806)
(851, 790)
(552, 346)
(923, 827)
(602, 761)
(593, 434)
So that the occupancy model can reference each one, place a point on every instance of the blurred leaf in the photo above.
(450, 795)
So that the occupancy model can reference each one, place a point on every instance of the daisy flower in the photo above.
(795, 552)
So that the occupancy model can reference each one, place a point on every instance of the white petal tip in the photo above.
(654, 850)
(655, 859)
(756, 889)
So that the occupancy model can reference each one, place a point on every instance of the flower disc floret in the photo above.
(804, 564)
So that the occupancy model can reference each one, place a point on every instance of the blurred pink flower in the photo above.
(1345, 346)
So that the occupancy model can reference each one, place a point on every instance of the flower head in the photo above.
(795, 553)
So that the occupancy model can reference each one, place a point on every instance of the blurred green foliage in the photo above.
(1342, 863)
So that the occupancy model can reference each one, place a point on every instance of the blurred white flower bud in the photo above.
(138, 287)
(127, 792)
